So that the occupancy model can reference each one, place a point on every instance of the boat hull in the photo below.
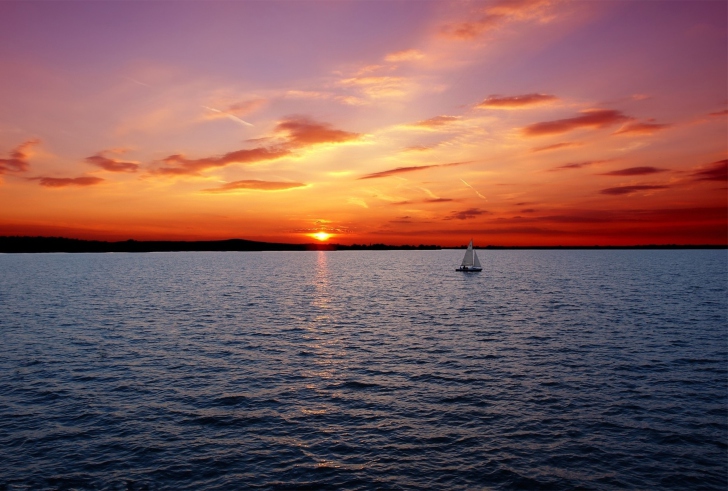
(465, 269)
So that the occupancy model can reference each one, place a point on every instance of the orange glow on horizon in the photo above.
(322, 236)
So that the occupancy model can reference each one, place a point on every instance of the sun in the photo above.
(322, 236)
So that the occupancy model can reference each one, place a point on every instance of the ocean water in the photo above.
(364, 370)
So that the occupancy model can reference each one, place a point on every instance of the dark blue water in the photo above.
(364, 370)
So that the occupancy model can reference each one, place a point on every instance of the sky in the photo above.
(511, 122)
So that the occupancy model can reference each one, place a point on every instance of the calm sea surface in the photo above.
(364, 370)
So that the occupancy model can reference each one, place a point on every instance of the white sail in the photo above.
(476, 263)
(468, 259)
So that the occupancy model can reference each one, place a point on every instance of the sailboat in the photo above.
(470, 262)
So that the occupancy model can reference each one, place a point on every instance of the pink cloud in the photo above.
(18, 161)
(592, 118)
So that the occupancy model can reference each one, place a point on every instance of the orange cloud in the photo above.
(404, 170)
(516, 101)
(717, 171)
(724, 112)
(634, 171)
(556, 146)
(404, 55)
(18, 161)
(246, 107)
(436, 122)
(592, 118)
(494, 15)
(256, 184)
(179, 165)
(578, 165)
(62, 182)
(301, 131)
(111, 165)
(296, 132)
(622, 190)
(642, 128)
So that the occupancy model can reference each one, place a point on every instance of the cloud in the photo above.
(476, 191)
(18, 161)
(634, 171)
(405, 55)
(591, 118)
(357, 202)
(436, 122)
(717, 171)
(257, 185)
(295, 132)
(556, 146)
(724, 112)
(642, 128)
(300, 131)
(179, 165)
(381, 86)
(226, 114)
(111, 165)
(622, 190)
(466, 214)
(494, 15)
(516, 101)
(404, 170)
(578, 165)
(62, 182)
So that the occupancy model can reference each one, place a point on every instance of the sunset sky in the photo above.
(515, 122)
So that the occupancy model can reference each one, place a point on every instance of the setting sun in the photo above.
(322, 236)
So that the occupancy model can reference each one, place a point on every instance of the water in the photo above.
(364, 370)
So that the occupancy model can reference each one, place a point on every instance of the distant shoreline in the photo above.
(16, 244)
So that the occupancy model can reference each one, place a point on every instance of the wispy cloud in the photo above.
(256, 185)
(717, 171)
(496, 14)
(231, 117)
(62, 182)
(634, 171)
(622, 190)
(466, 214)
(436, 122)
(405, 55)
(555, 146)
(476, 191)
(591, 118)
(300, 131)
(516, 101)
(724, 112)
(406, 170)
(18, 161)
(641, 128)
(111, 165)
(357, 202)
(295, 132)
(578, 165)
(176, 165)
